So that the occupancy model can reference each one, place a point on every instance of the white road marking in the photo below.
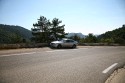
(56, 51)
(110, 67)
(18, 54)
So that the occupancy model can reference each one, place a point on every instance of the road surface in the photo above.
(82, 65)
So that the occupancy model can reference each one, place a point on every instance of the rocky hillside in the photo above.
(73, 34)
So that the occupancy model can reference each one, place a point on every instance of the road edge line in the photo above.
(109, 68)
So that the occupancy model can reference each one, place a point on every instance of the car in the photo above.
(64, 43)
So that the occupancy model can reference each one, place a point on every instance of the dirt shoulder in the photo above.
(118, 76)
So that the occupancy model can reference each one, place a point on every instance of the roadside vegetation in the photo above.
(45, 31)
(116, 36)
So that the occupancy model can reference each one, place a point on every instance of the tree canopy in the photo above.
(46, 31)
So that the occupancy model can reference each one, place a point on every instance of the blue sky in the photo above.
(85, 16)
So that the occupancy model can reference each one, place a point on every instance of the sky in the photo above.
(85, 16)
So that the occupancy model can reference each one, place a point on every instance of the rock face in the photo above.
(78, 34)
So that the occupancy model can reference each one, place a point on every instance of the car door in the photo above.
(66, 43)
(71, 43)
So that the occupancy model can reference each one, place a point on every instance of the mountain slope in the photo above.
(117, 35)
(13, 34)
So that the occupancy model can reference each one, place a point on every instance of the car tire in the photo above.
(74, 46)
(59, 46)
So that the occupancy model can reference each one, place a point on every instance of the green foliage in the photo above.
(75, 37)
(115, 36)
(42, 27)
(81, 41)
(90, 39)
(46, 31)
(108, 40)
(57, 31)
(119, 40)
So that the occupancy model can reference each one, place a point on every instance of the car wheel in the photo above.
(74, 46)
(59, 46)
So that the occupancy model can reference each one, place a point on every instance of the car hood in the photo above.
(56, 42)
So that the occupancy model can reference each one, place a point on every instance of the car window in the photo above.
(67, 41)
(71, 41)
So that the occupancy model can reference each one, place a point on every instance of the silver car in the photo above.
(64, 43)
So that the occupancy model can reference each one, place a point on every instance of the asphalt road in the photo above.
(82, 65)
